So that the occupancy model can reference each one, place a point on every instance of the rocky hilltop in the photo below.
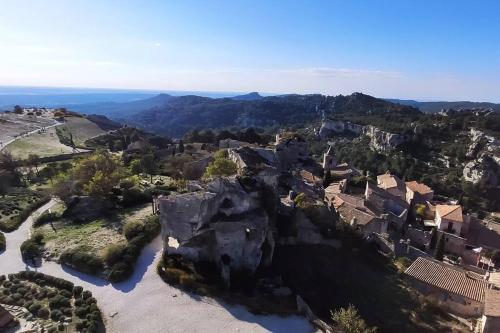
(380, 140)
(484, 168)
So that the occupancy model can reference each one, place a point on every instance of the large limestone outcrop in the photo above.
(485, 167)
(382, 140)
(331, 127)
(379, 140)
(484, 170)
(228, 222)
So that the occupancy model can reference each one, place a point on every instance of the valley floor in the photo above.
(144, 303)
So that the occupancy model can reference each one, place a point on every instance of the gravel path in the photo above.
(144, 303)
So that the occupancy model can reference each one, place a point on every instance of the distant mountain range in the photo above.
(175, 115)
(433, 107)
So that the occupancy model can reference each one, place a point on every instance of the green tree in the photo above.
(18, 109)
(439, 253)
(349, 321)
(148, 165)
(420, 211)
(98, 173)
(433, 241)
(180, 148)
(327, 179)
(33, 160)
(221, 166)
(135, 167)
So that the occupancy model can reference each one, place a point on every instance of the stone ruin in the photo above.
(228, 222)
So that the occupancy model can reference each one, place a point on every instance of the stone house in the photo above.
(354, 211)
(329, 160)
(344, 171)
(386, 203)
(392, 184)
(418, 193)
(455, 290)
(449, 218)
(490, 322)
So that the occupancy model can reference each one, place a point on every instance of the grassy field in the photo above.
(81, 129)
(95, 235)
(330, 278)
(43, 145)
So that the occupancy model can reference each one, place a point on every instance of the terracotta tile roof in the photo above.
(309, 177)
(451, 212)
(464, 283)
(419, 187)
(492, 303)
(389, 181)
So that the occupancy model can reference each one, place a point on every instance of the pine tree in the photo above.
(440, 248)
(433, 242)
(327, 179)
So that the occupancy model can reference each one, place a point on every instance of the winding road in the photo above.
(144, 303)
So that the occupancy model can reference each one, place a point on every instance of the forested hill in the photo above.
(174, 116)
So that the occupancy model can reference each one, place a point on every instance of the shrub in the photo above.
(59, 301)
(30, 249)
(44, 313)
(55, 315)
(114, 253)
(82, 311)
(77, 291)
(133, 229)
(3, 243)
(45, 217)
(34, 308)
(86, 294)
(134, 196)
(349, 321)
(120, 271)
(80, 259)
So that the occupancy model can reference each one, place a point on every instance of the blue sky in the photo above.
(426, 50)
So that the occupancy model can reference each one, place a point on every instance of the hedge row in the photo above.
(122, 259)
(3, 243)
(43, 279)
(82, 260)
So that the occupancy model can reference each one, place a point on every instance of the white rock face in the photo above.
(485, 168)
(384, 141)
(225, 224)
(379, 140)
(330, 127)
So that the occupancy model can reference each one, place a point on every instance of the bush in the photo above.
(114, 253)
(77, 291)
(133, 229)
(45, 217)
(59, 301)
(30, 249)
(86, 294)
(55, 315)
(120, 271)
(134, 196)
(80, 259)
(44, 313)
(35, 308)
(3, 243)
